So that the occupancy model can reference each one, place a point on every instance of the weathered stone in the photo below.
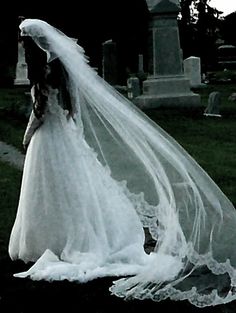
(166, 85)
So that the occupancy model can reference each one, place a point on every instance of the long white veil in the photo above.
(191, 221)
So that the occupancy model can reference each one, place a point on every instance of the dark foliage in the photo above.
(92, 23)
(228, 27)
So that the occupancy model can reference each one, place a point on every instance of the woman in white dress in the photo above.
(98, 172)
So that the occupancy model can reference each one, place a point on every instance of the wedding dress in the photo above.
(71, 207)
(95, 185)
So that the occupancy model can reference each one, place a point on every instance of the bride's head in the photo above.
(36, 60)
(39, 69)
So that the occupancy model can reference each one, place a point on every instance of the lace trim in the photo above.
(214, 266)
(147, 213)
(132, 288)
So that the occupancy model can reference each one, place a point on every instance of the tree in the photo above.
(229, 24)
(187, 27)
(199, 30)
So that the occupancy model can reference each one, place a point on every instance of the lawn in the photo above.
(13, 118)
(211, 141)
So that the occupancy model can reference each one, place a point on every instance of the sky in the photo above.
(226, 6)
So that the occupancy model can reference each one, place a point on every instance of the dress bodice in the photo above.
(54, 108)
(55, 112)
(53, 100)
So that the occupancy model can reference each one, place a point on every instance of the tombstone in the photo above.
(232, 97)
(140, 63)
(214, 102)
(152, 3)
(166, 85)
(192, 69)
(109, 62)
(133, 89)
(226, 55)
(21, 77)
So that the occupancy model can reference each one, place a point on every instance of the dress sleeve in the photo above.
(33, 123)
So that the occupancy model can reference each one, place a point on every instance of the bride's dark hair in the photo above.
(36, 60)
(41, 74)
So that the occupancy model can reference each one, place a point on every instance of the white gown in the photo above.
(72, 216)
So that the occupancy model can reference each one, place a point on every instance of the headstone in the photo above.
(21, 77)
(227, 57)
(140, 63)
(152, 3)
(214, 102)
(166, 85)
(110, 71)
(133, 89)
(192, 69)
(232, 97)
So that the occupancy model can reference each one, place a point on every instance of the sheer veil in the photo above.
(189, 218)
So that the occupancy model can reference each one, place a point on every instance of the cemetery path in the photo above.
(11, 155)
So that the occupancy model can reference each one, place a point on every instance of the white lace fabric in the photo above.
(93, 183)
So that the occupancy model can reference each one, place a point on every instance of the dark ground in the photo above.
(24, 295)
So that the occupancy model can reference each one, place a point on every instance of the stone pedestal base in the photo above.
(21, 82)
(167, 91)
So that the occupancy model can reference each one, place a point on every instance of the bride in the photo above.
(100, 178)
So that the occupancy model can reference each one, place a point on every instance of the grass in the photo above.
(10, 181)
(13, 119)
(211, 141)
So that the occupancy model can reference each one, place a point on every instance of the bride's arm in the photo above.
(33, 123)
